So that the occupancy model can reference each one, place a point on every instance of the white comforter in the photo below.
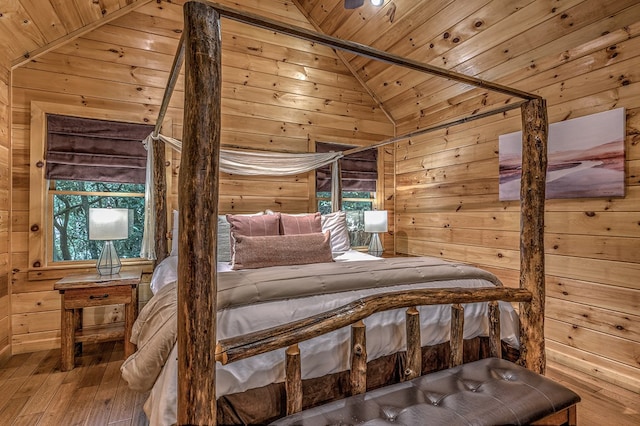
(325, 354)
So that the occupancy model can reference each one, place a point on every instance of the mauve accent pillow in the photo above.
(266, 224)
(260, 252)
(336, 223)
(291, 224)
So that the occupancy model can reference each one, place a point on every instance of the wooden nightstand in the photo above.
(88, 290)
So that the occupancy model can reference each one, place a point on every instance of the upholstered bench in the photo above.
(491, 391)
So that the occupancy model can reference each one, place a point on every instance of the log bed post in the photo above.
(160, 201)
(358, 375)
(159, 166)
(535, 129)
(414, 347)
(198, 217)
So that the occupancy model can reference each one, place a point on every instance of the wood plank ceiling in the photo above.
(30, 27)
(496, 40)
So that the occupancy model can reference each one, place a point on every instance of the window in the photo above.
(93, 163)
(79, 160)
(71, 200)
(359, 177)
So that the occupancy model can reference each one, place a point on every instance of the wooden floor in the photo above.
(33, 391)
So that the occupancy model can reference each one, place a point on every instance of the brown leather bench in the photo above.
(490, 391)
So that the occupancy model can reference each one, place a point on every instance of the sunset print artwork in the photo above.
(585, 158)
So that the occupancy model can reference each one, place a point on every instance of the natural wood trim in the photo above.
(293, 379)
(362, 50)
(358, 375)
(159, 174)
(568, 416)
(5, 354)
(456, 339)
(535, 129)
(197, 292)
(495, 346)
(241, 347)
(159, 158)
(414, 349)
(29, 56)
(39, 232)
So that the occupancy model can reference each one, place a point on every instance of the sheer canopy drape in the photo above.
(247, 163)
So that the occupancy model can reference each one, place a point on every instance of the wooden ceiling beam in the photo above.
(77, 33)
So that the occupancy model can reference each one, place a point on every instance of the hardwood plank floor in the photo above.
(33, 391)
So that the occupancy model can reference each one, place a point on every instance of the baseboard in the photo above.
(5, 354)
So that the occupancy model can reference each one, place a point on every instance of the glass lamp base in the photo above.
(108, 262)
(375, 246)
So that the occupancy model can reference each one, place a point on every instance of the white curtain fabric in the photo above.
(247, 163)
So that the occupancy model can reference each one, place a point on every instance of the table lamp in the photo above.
(375, 221)
(108, 225)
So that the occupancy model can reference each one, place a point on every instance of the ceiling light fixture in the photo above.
(354, 4)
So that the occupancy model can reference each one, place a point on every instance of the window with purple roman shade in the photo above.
(94, 150)
(359, 170)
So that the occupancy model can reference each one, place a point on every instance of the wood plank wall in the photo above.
(5, 202)
(278, 94)
(447, 205)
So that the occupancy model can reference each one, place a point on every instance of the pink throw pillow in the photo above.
(291, 224)
(300, 249)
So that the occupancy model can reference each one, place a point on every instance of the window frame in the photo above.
(377, 200)
(40, 235)
(51, 193)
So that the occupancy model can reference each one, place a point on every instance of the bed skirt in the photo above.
(266, 404)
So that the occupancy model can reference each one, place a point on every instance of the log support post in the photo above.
(358, 375)
(159, 161)
(457, 335)
(160, 200)
(495, 345)
(414, 351)
(198, 217)
(293, 379)
(336, 186)
(535, 128)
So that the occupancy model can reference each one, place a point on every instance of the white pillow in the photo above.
(167, 272)
(224, 248)
(336, 223)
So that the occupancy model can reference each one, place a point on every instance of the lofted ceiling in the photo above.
(496, 40)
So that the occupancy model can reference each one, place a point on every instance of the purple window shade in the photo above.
(95, 150)
(359, 170)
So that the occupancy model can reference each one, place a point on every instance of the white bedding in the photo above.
(325, 354)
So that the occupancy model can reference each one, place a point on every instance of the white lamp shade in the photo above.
(108, 224)
(375, 221)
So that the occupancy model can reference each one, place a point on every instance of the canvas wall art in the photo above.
(585, 158)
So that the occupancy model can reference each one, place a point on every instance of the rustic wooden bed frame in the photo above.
(352, 314)
(200, 47)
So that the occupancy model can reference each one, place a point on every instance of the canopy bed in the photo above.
(198, 290)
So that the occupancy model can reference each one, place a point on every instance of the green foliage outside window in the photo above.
(71, 202)
(353, 204)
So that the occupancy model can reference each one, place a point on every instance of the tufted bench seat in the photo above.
(491, 391)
